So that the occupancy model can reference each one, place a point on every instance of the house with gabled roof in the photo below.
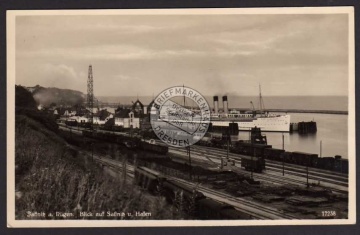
(127, 118)
(101, 117)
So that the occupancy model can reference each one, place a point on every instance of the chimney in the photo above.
(225, 104)
(216, 104)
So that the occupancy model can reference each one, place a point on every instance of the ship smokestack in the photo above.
(225, 104)
(216, 104)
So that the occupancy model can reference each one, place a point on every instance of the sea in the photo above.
(331, 135)
(332, 129)
(338, 103)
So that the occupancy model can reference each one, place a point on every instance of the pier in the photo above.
(303, 127)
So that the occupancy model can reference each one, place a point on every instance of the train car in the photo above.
(259, 149)
(149, 179)
(249, 149)
(287, 157)
(305, 159)
(343, 166)
(153, 147)
(326, 163)
(71, 122)
(256, 164)
(217, 141)
(182, 196)
(84, 124)
(128, 141)
(211, 210)
(274, 154)
(205, 141)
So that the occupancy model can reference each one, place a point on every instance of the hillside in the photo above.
(47, 96)
(52, 176)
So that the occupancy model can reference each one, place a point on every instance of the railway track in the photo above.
(316, 171)
(109, 162)
(254, 209)
(116, 166)
(221, 152)
(275, 168)
(331, 178)
(272, 178)
(257, 210)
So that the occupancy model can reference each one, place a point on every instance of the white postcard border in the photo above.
(12, 223)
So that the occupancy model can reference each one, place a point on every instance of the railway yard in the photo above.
(225, 188)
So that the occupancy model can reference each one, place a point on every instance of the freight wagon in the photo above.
(256, 164)
(249, 149)
(304, 159)
(153, 147)
(149, 179)
(273, 154)
(128, 141)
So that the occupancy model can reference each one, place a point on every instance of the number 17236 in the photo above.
(328, 213)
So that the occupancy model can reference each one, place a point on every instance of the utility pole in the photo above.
(92, 151)
(250, 135)
(307, 172)
(320, 148)
(252, 162)
(190, 167)
(283, 158)
(227, 153)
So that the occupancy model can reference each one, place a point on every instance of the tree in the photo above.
(24, 98)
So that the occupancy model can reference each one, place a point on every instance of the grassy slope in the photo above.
(52, 177)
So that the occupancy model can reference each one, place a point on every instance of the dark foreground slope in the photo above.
(53, 177)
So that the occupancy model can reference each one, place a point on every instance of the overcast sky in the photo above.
(214, 54)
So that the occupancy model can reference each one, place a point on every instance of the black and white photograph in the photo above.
(181, 117)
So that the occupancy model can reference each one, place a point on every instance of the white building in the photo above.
(127, 122)
(97, 120)
(70, 113)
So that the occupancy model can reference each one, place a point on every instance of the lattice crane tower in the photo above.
(90, 95)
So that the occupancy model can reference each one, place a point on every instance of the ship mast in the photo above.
(184, 95)
(261, 101)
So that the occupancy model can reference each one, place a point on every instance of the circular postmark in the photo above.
(176, 123)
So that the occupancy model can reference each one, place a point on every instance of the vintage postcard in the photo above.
(191, 117)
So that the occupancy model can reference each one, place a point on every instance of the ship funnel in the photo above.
(225, 104)
(216, 104)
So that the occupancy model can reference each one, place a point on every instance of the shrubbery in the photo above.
(23, 98)
(52, 176)
(45, 119)
(25, 105)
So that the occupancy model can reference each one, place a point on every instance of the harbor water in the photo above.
(331, 130)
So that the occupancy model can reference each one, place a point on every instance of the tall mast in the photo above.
(262, 107)
(184, 94)
(260, 99)
(90, 95)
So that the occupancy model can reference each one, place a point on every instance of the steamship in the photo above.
(249, 119)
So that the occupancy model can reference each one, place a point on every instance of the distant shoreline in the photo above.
(309, 111)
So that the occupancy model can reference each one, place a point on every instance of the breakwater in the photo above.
(309, 111)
